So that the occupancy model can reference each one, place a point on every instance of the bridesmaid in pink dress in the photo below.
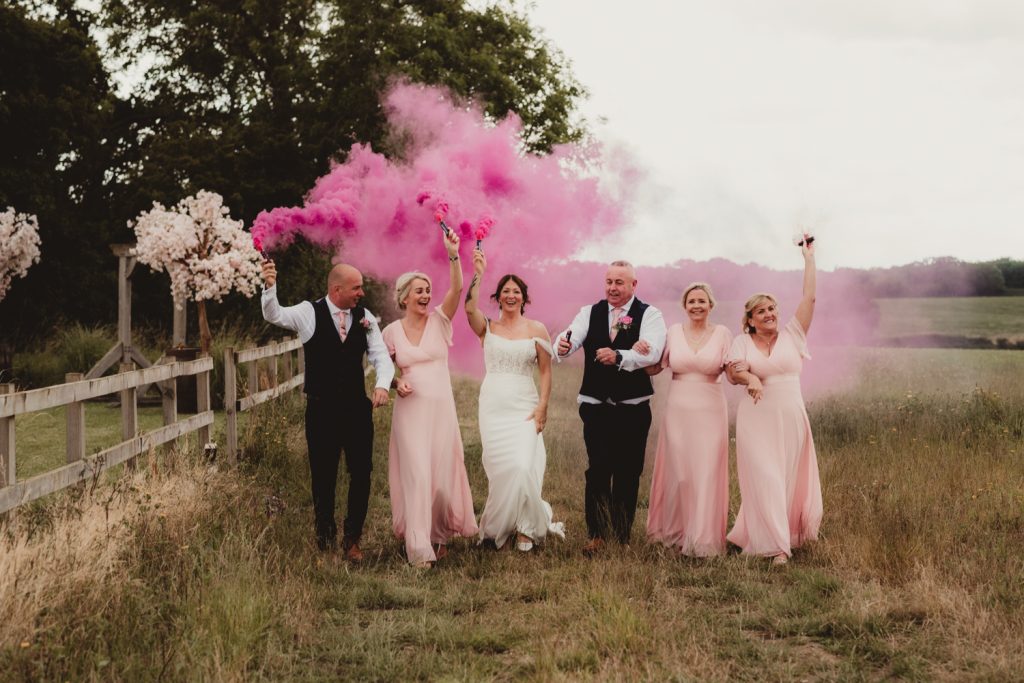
(430, 497)
(689, 506)
(778, 468)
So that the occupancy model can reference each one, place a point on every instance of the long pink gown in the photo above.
(775, 459)
(689, 506)
(430, 497)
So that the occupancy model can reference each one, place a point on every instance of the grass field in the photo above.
(988, 317)
(183, 572)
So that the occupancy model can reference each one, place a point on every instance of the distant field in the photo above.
(989, 317)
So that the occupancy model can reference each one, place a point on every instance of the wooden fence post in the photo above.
(75, 422)
(254, 378)
(7, 477)
(169, 402)
(203, 402)
(286, 365)
(129, 412)
(272, 370)
(230, 402)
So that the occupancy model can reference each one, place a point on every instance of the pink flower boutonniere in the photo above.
(366, 322)
(624, 323)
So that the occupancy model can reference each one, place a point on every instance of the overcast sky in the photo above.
(894, 126)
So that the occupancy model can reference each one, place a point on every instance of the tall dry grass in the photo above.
(182, 573)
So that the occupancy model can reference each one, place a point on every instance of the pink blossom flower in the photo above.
(19, 246)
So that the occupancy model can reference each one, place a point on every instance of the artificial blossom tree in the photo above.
(206, 252)
(19, 246)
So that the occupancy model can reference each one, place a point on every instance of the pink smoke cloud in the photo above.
(383, 214)
(536, 212)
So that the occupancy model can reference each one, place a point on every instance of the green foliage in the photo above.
(58, 130)
(72, 348)
(249, 98)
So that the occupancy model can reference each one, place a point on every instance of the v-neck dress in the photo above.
(689, 505)
(775, 459)
(430, 497)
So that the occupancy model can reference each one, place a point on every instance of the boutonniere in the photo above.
(366, 322)
(624, 323)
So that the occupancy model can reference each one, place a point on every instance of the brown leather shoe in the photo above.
(593, 546)
(351, 549)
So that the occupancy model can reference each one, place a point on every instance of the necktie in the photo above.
(341, 325)
(616, 314)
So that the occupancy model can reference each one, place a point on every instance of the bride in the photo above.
(511, 414)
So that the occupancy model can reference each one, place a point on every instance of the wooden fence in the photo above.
(127, 383)
(73, 394)
(291, 376)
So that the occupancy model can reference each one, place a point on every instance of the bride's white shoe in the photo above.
(524, 543)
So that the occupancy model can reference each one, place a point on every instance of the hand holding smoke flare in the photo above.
(483, 229)
(258, 244)
(439, 214)
(798, 238)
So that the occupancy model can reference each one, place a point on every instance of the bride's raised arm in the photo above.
(477, 320)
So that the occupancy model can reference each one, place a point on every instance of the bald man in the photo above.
(336, 332)
(614, 400)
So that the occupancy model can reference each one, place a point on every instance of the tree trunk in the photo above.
(205, 337)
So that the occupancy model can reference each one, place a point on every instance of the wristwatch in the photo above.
(618, 359)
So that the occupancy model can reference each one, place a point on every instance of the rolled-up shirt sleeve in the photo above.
(377, 353)
(579, 328)
(652, 331)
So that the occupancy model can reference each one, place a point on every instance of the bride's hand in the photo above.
(539, 417)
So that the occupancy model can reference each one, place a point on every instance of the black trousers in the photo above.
(616, 440)
(333, 426)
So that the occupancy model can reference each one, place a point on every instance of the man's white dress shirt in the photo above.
(652, 330)
(301, 319)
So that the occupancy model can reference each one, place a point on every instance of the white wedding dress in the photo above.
(513, 452)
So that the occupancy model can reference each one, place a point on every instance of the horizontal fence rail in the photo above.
(72, 394)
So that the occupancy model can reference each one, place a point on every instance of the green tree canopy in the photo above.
(248, 98)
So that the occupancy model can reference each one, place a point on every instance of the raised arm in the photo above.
(539, 332)
(477, 320)
(299, 318)
(451, 299)
(805, 311)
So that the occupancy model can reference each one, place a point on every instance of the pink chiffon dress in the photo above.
(778, 469)
(430, 497)
(689, 506)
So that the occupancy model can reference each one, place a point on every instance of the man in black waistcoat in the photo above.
(614, 400)
(336, 332)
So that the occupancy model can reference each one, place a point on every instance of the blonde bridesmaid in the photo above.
(781, 504)
(430, 497)
(689, 505)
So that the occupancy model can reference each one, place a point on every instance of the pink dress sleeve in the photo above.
(726, 342)
(738, 349)
(388, 335)
(446, 326)
(665, 360)
(796, 332)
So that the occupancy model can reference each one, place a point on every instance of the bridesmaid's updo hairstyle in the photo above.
(404, 284)
(699, 285)
(748, 310)
(522, 287)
